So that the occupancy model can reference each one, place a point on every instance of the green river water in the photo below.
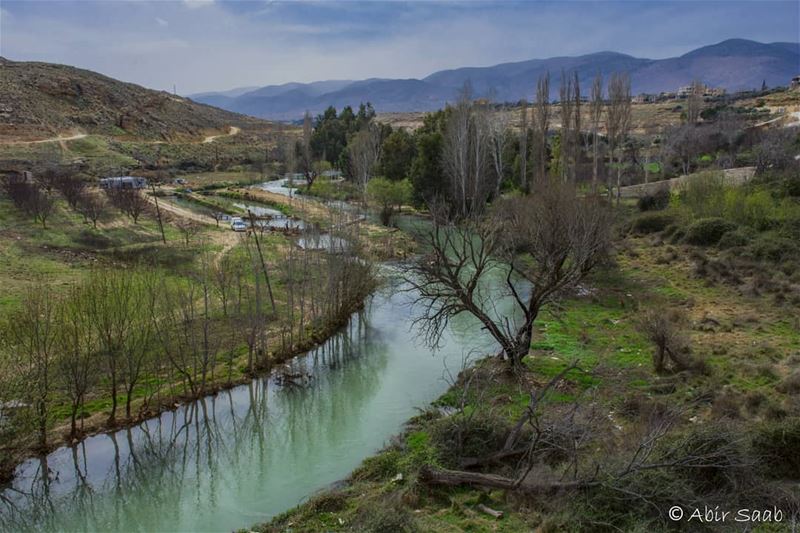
(244, 455)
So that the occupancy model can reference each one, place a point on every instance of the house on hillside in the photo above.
(123, 182)
(644, 98)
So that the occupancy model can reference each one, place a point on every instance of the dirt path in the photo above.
(228, 239)
(59, 139)
(182, 212)
(231, 132)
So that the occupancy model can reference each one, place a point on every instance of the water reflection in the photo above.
(276, 218)
(246, 454)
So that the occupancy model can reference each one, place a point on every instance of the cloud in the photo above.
(193, 4)
(219, 45)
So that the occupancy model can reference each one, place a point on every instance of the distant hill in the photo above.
(735, 64)
(39, 100)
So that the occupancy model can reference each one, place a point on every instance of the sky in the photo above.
(207, 45)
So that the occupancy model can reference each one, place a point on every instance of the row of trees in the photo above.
(129, 334)
(470, 151)
(37, 198)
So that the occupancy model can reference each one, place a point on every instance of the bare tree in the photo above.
(77, 345)
(130, 201)
(35, 202)
(541, 244)
(566, 103)
(70, 187)
(684, 142)
(694, 102)
(33, 333)
(576, 115)
(618, 119)
(465, 155)
(111, 305)
(672, 345)
(91, 206)
(365, 150)
(188, 228)
(498, 141)
(304, 157)
(595, 116)
(158, 215)
(523, 146)
(541, 124)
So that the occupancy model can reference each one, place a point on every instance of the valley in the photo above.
(409, 307)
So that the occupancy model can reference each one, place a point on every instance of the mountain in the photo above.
(45, 100)
(735, 64)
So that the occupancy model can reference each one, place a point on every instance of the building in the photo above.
(123, 182)
(712, 92)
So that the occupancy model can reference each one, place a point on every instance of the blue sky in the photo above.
(202, 45)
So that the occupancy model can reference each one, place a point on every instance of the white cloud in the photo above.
(161, 22)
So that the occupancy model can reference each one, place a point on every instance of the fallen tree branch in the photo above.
(530, 410)
(472, 462)
(455, 478)
(488, 510)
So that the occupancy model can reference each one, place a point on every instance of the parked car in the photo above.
(238, 225)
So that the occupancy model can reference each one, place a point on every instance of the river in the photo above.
(244, 455)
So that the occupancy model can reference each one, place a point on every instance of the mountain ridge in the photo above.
(733, 64)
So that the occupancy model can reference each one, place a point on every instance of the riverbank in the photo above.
(158, 390)
(206, 466)
(743, 409)
(98, 423)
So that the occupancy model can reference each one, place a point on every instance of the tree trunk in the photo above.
(455, 478)
(113, 416)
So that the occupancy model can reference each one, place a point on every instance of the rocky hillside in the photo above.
(41, 100)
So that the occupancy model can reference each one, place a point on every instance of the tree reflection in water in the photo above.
(200, 449)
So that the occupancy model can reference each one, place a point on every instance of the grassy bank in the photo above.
(742, 405)
(69, 252)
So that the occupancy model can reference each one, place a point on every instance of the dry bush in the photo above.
(791, 383)
(665, 331)
(384, 515)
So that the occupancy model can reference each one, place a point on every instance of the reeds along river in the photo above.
(244, 455)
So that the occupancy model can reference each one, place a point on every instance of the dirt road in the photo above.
(231, 132)
(59, 139)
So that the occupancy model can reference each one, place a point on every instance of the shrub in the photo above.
(380, 467)
(328, 502)
(772, 247)
(419, 451)
(384, 516)
(791, 185)
(460, 436)
(654, 202)
(704, 195)
(664, 330)
(791, 383)
(652, 222)
(777, 443)
(755, 209)
(708, 231)
(735, 238)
